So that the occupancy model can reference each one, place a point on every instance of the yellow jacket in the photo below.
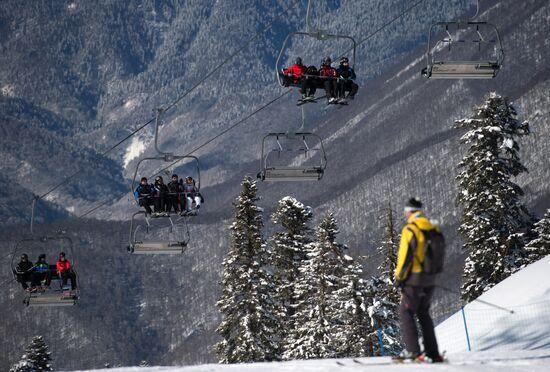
(411, 251)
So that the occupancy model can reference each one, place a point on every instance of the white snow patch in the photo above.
(528, 328)
(71, 6)
(130, 104)
(8, 90)
(535, 361)
(133, 151)
(70, 209)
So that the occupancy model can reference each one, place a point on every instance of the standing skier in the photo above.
(416, 285)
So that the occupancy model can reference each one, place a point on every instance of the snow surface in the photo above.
(527, 293)
(527, 361)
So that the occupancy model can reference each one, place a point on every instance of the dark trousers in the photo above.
(347, 86)
(415, 301)
(330, 88)
(162, 203)
(146, 203)
(175, 204)
(23, 279)
(37, 278)
(66, 275)
(309, 86)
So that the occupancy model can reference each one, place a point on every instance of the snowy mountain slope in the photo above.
(377, 147)
(527, 293)
(534, 361)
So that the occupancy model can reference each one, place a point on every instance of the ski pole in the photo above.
(478, 300)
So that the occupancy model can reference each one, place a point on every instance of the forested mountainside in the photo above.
(395, 140)
(89, 73)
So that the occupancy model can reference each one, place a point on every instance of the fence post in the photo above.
(466, 328)
(380, 342)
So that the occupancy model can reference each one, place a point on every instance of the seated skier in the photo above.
(23, 271)
(346, 75)
(41, 273)
(176, 190)
(65, 271)
(327, 79)
(161, 196)
(192, 195)
(144, 195)
(295, 76)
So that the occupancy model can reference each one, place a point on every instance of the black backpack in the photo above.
(434, 257)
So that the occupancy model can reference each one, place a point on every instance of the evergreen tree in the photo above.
(315, 332)
(539, 247)
(289, 253)
(382, 310)
(383, 297)
(351, 305)
(246, 304)
(493, 219)
(38, 355)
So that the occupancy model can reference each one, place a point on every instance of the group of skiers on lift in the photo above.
(179, 195)
(40, 274)
(335, 81)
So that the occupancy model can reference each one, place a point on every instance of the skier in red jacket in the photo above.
(295, 75)
(65, 271)
(328, 79)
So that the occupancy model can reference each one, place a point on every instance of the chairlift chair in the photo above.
(318, 34)
(165, 157)
(54, 295)
(272, 172)
(175, 244)
(483, 68)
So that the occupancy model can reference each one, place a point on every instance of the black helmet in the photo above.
(327, 61)
(344, 60)
(298, 61)
(158, 179)
(189, 178)
(24, 256)
(62, 254)
(42, 255)
(143, 179)
(174, 176)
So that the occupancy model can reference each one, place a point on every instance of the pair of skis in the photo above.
(315, 100)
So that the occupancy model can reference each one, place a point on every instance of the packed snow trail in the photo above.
(527, 293)
(524, 361)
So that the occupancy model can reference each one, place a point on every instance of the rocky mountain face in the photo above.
(76, 78)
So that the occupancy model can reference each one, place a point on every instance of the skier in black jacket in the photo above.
(162, 196)
(346, 75)
(23, 271)
(176, 194)
(144, 194)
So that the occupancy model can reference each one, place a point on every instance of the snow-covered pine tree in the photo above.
(351, 302)
(539, 247)
(315, 335)
(382, 311)
(24, 365)
(246, 304)
(383, 296)
(493, 219)
(37, 353)
(288, 253)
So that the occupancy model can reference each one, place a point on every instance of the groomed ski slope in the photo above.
(518, 342)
